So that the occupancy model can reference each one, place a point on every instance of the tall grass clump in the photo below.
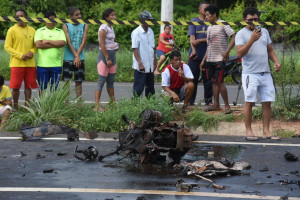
(49, 106)
(287, 104)
(111, 120)
(198, 118)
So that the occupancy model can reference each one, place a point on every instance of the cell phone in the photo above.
(258, 27)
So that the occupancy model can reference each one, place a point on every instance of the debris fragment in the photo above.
(290, 156)
(286, 182)
(182, 186)
(90, 135)
(261, 183)
(46, 129)
(39, 156)
(264, 169)
(141, 198)
(62, 154)
(284, 197)
(219, 187)
(91, 153)
(48, 150)
(212, 168)
(256, 192)
(48, 170)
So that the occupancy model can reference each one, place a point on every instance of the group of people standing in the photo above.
(208, 54)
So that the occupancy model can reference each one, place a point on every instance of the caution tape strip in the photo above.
(129, 22)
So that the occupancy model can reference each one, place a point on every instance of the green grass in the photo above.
(52, 107)
(198, 118)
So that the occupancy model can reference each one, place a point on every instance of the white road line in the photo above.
(57, 138)
(200, 142)
(248, 143)
(127, 191)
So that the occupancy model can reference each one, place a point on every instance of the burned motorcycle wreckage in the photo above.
(148, 140)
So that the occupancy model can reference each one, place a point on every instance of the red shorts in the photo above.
(18, 74)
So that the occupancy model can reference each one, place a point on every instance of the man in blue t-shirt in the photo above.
(253, 45)
(76, 35)
(197, 34)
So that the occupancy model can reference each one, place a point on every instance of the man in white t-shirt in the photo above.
(144, 61)
(253, 44)
(177, 80)
(216, 56)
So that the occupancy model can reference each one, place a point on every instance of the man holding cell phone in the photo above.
(253, 45)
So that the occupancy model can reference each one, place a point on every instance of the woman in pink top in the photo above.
(106, 59)
(165, 43)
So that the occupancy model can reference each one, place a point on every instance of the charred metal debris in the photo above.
(148, 139)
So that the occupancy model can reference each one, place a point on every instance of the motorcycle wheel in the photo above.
(237, 73)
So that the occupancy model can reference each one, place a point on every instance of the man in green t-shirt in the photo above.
(49, 41)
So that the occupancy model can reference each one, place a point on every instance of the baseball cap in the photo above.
(144, 15)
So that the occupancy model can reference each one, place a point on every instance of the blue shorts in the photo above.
(48, 74)
(159, 53)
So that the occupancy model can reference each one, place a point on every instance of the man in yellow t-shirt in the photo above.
(49, 40)
(19, 44)
(5, 102)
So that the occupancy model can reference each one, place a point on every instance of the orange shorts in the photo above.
(18, 74)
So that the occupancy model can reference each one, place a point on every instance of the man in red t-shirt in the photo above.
(177, 80)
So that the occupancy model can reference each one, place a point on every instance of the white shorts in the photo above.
(4, 108)
(261, 83)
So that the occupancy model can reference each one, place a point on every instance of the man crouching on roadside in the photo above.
(5, 102)
(177, 80)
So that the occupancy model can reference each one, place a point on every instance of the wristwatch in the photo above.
(107, 58)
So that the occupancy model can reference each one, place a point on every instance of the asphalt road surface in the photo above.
(22, 177)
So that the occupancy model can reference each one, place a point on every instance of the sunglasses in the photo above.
(252, 19)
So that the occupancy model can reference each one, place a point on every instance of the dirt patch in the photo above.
(238, 128)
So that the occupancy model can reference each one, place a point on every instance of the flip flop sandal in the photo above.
(251, 138)
(210, 108)
(273, 137)
(228, 111)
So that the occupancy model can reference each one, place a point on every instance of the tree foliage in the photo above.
(276, 10)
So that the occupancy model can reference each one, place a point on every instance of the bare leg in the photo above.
(16, 94)
(27, 93)
(159, 63)
(266, 117)
(216, 105)
(248, 118)
(189, 89)
(224, 94)
(97, 101)
(5, 117)
(111, 94)
(78, 90)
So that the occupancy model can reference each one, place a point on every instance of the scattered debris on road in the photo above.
(286, 182)
(46, 129)
(264, 169)
(62, 154)
(48, 170)
(204, 168)
(91, 153)
(90, 135)
(39, 156)
(290, 156)
(182, 186)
